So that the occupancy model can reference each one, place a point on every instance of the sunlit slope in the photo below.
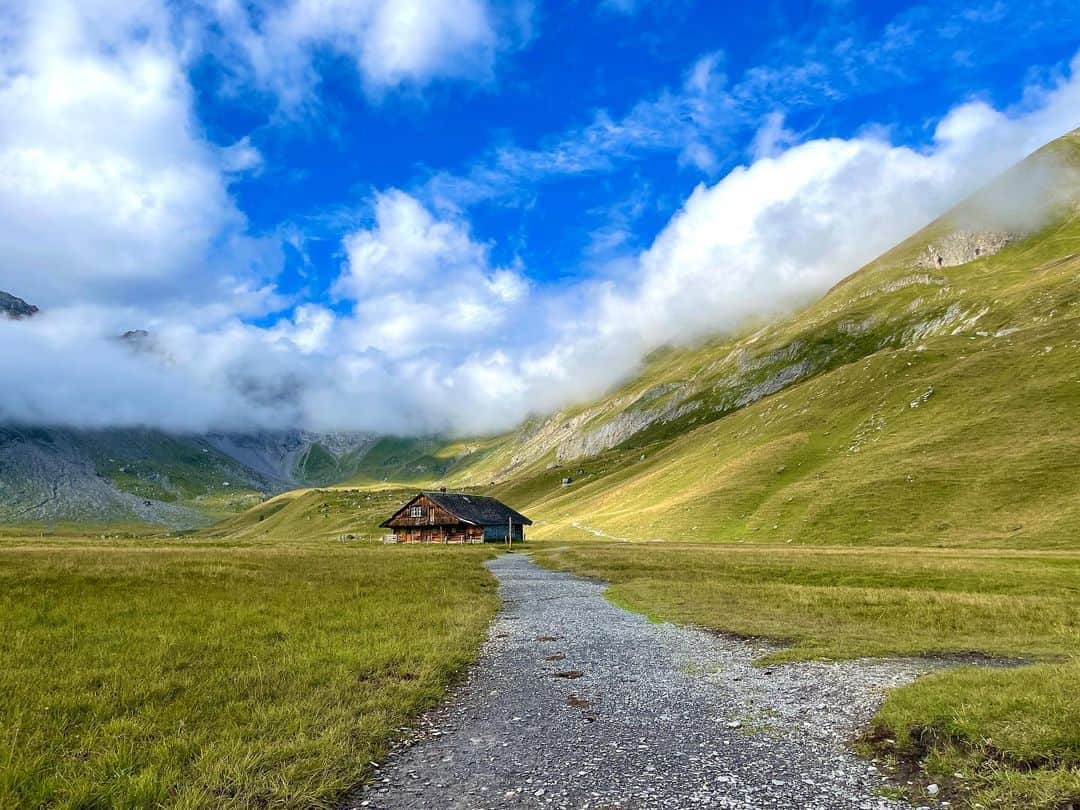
(314, 515)
(912, 404)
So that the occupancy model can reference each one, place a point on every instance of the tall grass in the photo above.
(164, 674)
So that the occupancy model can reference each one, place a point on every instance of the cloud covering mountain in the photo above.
(118, 211)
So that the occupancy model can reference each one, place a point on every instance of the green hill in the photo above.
(313, 515)
(912, 404)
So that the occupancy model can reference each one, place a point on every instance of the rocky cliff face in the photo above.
(591, 441)
(961, 247)
(295, 457)
(12, 307)
(50, 477)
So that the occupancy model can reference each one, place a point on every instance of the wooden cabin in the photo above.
(451, 517)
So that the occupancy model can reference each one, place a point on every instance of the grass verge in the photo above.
(1012, 734)
(188, 675)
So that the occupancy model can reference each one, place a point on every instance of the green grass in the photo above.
(1014, 733)
(185, 674)
(327, 514)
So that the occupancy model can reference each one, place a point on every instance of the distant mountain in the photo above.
(13, 307)
(57, 475)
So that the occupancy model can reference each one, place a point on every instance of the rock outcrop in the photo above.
(16, 308)
(282, 455)
(961, 247)
(50, 475)
(621, 427)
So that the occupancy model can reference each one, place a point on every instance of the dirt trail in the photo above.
(576, 703)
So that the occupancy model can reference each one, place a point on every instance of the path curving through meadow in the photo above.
(576, 703)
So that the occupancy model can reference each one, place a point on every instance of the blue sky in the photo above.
(366, 214)
(901, 65)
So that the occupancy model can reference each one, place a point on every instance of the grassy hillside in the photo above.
(908, 406)
(323, 514)
(427, 460)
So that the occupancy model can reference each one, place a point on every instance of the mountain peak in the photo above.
(14, 307)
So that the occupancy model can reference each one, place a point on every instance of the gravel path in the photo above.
(576, 703)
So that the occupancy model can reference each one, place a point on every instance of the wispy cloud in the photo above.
(391, 44)
(703, 121)
(671, 121)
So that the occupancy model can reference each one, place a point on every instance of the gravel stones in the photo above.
(661, 716)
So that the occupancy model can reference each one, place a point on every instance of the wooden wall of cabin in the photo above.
(458, 533)
(431, 515)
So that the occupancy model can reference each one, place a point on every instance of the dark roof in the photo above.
(479, 510)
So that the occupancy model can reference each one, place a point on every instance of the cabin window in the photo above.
(416, 511)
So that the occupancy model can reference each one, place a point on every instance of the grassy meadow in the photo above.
(185, 673)
(891, 471)
(1013, 733)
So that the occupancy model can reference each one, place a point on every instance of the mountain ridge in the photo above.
(51, 475)
(15, 308)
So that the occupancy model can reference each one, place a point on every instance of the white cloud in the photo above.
(391, 43)
(700, 156)
(107, 191)
(241, 157)
(772, 137)
(419, 282)
(705, 74)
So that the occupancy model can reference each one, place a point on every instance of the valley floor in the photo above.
(151, 672)
(268, 663)
(577, 703)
